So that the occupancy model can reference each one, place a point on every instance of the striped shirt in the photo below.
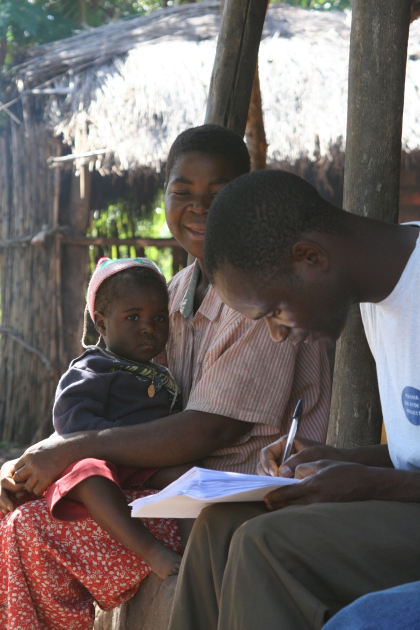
(227, 364)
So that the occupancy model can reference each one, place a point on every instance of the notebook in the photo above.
(200, 487)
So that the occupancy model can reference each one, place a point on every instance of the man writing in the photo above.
(275, 250)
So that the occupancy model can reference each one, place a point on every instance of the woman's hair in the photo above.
(213, 140)
(118, 285)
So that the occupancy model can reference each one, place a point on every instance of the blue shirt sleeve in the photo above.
(80, 402)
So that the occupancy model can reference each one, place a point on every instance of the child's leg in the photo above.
(108, 507)
(163, 478)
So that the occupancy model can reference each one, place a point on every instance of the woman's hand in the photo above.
(43, 463)
(303, 451)
(9, 489)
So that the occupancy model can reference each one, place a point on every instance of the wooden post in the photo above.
(235, 63)
(378, 54)
(415, 10)
(74, 263)
(255, 133)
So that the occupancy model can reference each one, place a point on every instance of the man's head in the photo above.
(272, 250)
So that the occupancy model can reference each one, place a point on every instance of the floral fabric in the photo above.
(51, 571)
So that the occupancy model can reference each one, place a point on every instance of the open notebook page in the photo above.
(200, 487)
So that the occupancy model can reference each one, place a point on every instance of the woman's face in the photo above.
(194, 181)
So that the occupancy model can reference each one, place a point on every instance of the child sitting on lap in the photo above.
(118, 386)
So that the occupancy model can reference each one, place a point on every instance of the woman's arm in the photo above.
(177, 439)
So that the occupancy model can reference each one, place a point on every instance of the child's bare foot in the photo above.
(162, 560)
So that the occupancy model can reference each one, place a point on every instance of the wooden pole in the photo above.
(83, 13)
(415, 10)
(234, 66)
(89, 241)
(74, 267)
(255, 133)
(235, 63)
(378, 54)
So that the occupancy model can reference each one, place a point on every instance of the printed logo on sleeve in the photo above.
(411, 404)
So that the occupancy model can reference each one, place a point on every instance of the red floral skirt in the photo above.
(51, 571)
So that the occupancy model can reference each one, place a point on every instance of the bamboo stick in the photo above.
(88, 241)
(13, 334)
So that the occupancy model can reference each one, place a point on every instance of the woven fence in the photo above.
(29, 347)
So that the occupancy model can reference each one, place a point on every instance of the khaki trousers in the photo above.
(245, 568)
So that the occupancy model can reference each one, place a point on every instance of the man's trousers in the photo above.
(245, 568)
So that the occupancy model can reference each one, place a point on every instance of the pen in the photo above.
(294, 427)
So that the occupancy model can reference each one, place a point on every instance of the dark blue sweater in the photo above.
(101, 390)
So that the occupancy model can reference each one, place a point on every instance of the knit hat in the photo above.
(106, 268)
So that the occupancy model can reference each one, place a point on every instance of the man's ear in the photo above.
(100, 322)
(310, 253)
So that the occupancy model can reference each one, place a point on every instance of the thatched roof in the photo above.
(124, 91)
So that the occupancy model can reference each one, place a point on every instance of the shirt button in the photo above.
(198, 333)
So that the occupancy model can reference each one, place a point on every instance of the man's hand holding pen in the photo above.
(303, 451)
(331, 475)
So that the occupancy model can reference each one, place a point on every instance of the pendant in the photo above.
(151, 391)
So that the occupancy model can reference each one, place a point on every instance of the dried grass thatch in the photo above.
(123, 92)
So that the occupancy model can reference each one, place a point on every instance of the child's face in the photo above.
(194, 181)
(136, 326)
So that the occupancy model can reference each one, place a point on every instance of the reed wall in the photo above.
(29, 348)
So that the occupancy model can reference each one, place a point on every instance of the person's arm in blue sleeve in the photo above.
(80, 403)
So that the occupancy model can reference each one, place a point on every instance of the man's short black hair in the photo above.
(210, 139)
(255, 220)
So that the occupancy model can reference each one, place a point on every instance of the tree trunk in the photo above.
(378, 54)
(235, 62)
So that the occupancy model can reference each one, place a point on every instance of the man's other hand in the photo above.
(325, 482)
